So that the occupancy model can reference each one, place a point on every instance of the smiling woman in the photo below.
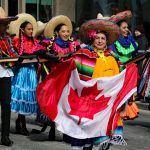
(92, 62)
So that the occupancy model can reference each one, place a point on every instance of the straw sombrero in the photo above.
(4, 18)
(99, 25)
(100, 16)
(54, 22)
(125, 15)
(40, 28)
(15, 25)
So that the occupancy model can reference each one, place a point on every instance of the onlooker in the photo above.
(141, 38)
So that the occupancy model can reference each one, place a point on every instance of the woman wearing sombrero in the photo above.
(59, 30)
(125, 49)
(24, 82)
(6, 50)
(95, 61)
(58, 42)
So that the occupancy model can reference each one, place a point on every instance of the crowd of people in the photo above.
(98, 54)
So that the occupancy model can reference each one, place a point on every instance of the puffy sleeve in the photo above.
(15, 43)
(41, 45)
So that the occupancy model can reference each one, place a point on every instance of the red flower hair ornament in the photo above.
(92, 34)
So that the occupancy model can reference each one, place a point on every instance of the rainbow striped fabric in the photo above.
(85, 62)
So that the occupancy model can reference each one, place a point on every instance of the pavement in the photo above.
(142, 105)
(40, 141)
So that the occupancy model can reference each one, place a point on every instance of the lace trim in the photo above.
(123, 50)
(118, 140)
(104, 145)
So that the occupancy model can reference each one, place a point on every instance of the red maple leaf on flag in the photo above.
(86, 106)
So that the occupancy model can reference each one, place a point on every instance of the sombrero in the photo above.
(125, 15)
(15, 25)
(54, 22)
(4, 18)
(99, 25)
(100, 16)
(40, 28)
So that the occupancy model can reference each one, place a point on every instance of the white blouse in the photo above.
(4, 72)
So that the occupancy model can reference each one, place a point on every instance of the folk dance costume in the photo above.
(91, 63)
(125, 48)
(55, 45)
(6, 50)
(24, 82)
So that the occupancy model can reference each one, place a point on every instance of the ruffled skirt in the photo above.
(24, 83)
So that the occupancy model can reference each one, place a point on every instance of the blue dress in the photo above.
(24, 85)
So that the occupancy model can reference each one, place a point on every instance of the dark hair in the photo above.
(24, 24)
(98, 31)
(120, 22)
(21, 41)
(140, 28)
(57, 28)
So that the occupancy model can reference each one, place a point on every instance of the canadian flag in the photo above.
(85, 109)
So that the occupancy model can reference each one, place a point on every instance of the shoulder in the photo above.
(15, 41)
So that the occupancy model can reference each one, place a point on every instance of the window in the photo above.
(40, 9)
(12, 7)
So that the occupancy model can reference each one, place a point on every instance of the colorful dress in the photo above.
(93, 64)
(125, 48)
(55, 47)
(24, 82)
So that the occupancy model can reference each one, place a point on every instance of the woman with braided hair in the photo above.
(24, 82)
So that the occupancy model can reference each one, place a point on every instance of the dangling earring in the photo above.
(70, 39)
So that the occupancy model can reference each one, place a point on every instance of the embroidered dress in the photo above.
(93, 64)
(124, 50)
(55, 47)
(24, 82)
(6, 49)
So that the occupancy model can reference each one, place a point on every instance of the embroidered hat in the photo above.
(40, 28)
(125, 15)
(4, 18)
(15, 25)
(86, 30)
(54, 22)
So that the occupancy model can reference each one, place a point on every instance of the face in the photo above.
(3, 27)
(28, 30)
(124, 29)
(63, 33)
(100, 41)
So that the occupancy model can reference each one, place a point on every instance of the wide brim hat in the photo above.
(125, 15)
(54, 22)
(100, 16)
(4, 18)
(109, 27)
(15, 25)
(40, 28)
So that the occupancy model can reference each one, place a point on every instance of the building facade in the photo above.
(42, 10)
(80, 10)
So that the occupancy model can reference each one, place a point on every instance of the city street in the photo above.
(137, 135)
